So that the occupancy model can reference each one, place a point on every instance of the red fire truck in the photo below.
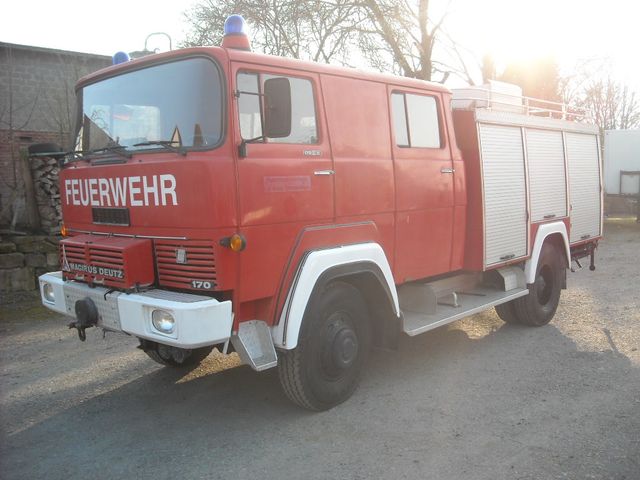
(299, 213)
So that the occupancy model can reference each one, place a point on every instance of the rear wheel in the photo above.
(507, 313)
(174, 356)
(326, 366)
(539, 307)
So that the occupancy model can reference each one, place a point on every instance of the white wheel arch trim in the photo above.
(285, 333)
(544, 231)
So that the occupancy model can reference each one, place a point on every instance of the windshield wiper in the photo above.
(167, 144)
(78, 155)
(118, 149)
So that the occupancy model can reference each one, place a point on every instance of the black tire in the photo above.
(43, 148)
(173, 356)
(325, 368)
(507, 312)
(539, 307)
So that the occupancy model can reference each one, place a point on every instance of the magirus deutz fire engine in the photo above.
(299, 213)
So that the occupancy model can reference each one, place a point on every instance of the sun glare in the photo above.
(567, 30)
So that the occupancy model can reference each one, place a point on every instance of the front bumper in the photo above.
(199, 320)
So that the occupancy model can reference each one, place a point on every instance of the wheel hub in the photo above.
(340, 350)
(344, 348)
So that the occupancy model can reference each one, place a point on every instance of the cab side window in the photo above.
(415, 120)
(251, 109)
(249, 106)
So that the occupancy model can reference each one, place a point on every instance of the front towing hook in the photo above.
(87, 317)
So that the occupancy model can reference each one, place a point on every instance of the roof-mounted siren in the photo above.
(235, 33)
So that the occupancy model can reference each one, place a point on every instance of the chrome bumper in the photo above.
(199, 320)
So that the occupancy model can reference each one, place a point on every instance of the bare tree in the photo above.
(52, 108)
(398, 36)
(402, 36)
(58, 106)
(610, 104)
(310, 30)
(15, 117)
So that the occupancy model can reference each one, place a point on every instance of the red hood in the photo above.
(163, 194)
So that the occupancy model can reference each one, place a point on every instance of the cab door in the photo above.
(284, 184)
(424, 175)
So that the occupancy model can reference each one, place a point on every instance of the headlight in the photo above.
(163, 321)
(48, 293)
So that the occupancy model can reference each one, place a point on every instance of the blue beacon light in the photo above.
(235, 33)
(235, 25)
(120, 57)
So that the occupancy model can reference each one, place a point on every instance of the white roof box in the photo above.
(500, 96)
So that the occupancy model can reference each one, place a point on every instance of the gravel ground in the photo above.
(475, 400)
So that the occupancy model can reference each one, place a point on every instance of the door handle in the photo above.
(324, 172)
(447, 170)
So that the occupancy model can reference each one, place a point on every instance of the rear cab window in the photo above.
(416, 120)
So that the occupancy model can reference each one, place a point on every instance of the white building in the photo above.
(622, 162)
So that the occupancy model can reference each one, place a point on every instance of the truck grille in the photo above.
(188, 264)
(111, 216)
(105, 257)
(71, 253)
(111, 261)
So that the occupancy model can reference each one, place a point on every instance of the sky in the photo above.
(508, 29)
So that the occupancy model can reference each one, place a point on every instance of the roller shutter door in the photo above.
(584, 186)
(505, 202)
(547, 179)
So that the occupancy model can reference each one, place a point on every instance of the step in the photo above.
(424, 297)
(471, 302)
(254, 345)
(426, 306)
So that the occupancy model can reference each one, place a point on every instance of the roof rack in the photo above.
(500, 96)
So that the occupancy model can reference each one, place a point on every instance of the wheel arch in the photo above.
(364, 266)
(369, 280)
(555, 233)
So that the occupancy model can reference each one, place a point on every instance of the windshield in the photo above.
(178, 103)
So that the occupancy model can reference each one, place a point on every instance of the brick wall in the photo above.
(36, 105)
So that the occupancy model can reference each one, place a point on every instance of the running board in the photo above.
(481, 298)
(426, 306)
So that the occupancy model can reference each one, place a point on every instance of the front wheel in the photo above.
(173, 356)
(325, 368)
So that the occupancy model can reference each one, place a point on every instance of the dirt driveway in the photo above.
(475, 400)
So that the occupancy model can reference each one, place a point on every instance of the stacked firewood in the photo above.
(45, 178)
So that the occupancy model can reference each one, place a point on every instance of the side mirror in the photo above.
(277, 115)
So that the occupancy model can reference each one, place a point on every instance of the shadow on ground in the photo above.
(476, 400)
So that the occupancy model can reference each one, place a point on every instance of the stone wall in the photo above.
(24, 258)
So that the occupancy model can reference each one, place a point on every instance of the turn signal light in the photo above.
(63, 230)
(235, 242)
